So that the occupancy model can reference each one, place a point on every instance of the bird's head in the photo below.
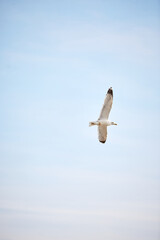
(113, 123)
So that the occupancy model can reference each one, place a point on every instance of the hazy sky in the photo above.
(58, 59)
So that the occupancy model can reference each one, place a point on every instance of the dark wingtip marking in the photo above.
(102, 141)
(110, 91)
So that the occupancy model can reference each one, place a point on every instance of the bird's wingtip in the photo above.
(110, 91)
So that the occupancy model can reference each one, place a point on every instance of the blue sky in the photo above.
(58, 59)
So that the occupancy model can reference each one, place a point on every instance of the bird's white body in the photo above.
(103, 121)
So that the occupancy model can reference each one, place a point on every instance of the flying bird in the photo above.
(103, 121)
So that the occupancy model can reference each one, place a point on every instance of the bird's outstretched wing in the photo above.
(107, 105)
(102, 133)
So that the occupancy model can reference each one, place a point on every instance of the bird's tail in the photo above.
(92, 124)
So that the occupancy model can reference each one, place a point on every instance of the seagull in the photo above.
(103, 121)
